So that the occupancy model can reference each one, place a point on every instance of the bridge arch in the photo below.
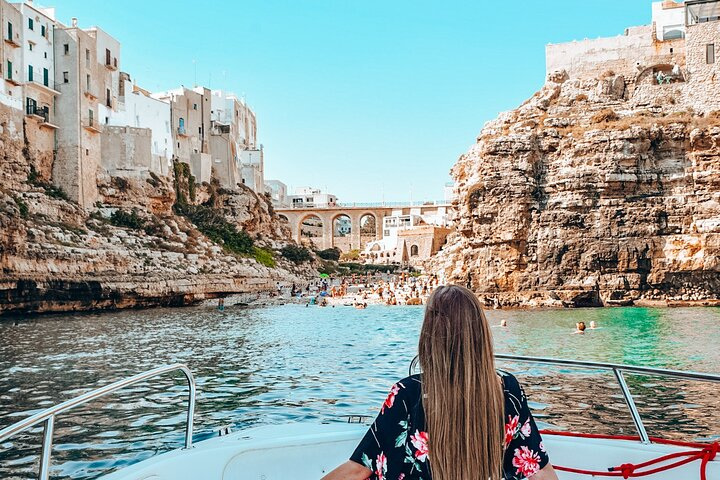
(311, 229)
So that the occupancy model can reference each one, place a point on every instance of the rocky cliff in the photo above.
(591, 195)
(149, 241)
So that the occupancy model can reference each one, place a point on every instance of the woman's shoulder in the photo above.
(510, 383)
(410, 385)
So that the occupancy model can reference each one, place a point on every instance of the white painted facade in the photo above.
(108, 73)
(11, 90)
(278, 193)
(38, 26)
(669, 20)
(252, 164)
(308, 197)
(138, 109)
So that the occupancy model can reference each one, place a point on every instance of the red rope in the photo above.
(703, 452)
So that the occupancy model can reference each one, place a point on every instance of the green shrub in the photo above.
(50, 189)
(330, 254)
(214, 226)
(22, 207)
(264, 257)
(121, 218)
(296, 254)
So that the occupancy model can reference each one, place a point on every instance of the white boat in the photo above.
(307, 451)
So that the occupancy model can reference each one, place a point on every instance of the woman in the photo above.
(458, 420)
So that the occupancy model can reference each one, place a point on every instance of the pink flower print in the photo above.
(420, 442)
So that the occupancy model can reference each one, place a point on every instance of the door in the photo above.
(46, 77)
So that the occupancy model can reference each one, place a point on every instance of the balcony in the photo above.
(90, 95)
(111, 65)
(12, 43)
(40, 114)
(182, 132)
(91, 126)
(42, 87)
(13, 81)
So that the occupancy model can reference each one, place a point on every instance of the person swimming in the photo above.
(593, 325)
(580, 327)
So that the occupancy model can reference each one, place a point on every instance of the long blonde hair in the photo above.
(462, 394)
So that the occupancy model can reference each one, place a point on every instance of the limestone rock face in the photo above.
(583, 198)
(56, 256)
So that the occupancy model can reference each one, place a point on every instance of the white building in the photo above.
(278, 193)
(136, 108)
(669, 19)
(393, 226)
(308, 197)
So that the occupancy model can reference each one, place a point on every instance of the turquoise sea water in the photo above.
(292, 363)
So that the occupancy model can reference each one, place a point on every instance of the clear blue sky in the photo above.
(357, 96)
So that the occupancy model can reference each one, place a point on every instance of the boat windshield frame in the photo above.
(618, 371)
(47, 417)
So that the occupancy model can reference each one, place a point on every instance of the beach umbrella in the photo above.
(324, 275)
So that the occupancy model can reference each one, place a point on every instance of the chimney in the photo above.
(74, 22)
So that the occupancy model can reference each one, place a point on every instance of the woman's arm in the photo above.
(354, 471)
(547, 473)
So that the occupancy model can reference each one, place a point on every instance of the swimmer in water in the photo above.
(593, 325)
(580, 328)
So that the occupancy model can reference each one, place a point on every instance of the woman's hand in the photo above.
(354, 471)
(547, 473)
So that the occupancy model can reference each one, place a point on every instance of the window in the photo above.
(31, 24)
(30, 73)
(710, 53)
(194, 106)
(87, 57)
(108, 98)
(30, 106)
(91, 117)
(66, 48)
(87, 151)
(66, 77)
(30, 46)
(9, 70)
(9, 32)
(45, 54)
(87, 82)
(108, 57)
(43, 30)
(46, 77)
(414, 251)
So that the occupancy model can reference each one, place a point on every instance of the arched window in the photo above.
(181, 126)
(414, 251)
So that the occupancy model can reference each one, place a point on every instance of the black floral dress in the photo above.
(396, 445)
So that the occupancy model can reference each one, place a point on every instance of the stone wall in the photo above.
(126, 151)
(704, 77)
(626, 55)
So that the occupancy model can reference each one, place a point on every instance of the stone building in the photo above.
(137, 110)
(78, 139)
(233, 137)
(190, 116)
(12, 46)
(677, 50)
(278, 193)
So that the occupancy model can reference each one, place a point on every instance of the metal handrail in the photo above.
(48, 416)
(618, 370)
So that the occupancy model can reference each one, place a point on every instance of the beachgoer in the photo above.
(580, 327)
(221, 304)
(593, 325)
(503, 323)
(429, 412)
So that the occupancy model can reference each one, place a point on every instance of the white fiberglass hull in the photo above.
(308, 451)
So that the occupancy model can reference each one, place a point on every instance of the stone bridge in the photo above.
(346, 227)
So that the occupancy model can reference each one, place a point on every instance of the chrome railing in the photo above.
(48, 416)
(618, 371)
